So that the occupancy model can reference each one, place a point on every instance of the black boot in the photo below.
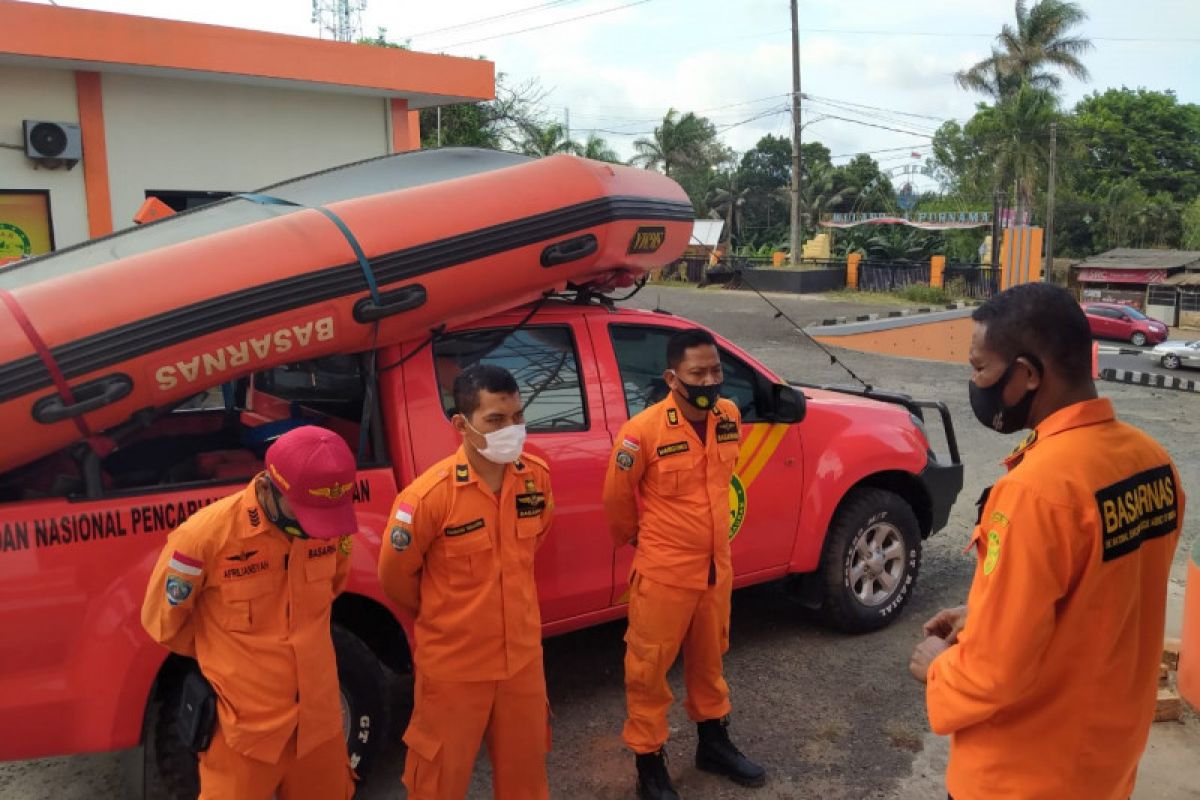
(715, 753)
(654, 782)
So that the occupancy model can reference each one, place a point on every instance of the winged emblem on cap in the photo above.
(334, 492)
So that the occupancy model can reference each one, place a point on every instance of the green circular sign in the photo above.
(14, 243)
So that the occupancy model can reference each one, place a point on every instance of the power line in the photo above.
(473, 23)
(546, 25)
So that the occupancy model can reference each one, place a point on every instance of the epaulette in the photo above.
(431, 479)
(1018, 452)
(532, 459)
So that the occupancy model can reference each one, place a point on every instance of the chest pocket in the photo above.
(244, 603)
(468, 557)
(318, 574)
(677, 474)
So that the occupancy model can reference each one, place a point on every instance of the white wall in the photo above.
(42, 94)
(192, 135)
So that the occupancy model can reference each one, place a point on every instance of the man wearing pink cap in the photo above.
(245, 587)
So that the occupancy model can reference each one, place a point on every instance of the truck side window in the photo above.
(541, 357)
(641, 352)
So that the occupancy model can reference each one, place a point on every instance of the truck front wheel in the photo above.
(365, 713)
(870, 561)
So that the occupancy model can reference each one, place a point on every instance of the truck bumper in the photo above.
(942, 481)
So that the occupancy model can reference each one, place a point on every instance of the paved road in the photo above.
(832, 717)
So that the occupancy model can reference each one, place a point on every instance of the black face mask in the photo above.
(988, 402)
(702, 397)
(289, 525)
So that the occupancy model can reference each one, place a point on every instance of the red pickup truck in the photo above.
(835, 489)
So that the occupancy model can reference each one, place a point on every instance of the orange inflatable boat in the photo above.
(336, 262)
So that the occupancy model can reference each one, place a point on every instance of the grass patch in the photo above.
(908, 296)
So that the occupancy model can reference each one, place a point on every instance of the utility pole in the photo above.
(567, 121)
(797, 241)
(997, 197)
(1048, 268)
(439, 126)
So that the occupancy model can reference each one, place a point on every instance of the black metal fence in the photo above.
(976, 281)
(888, 276)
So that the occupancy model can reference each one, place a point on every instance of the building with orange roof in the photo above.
(141, 107)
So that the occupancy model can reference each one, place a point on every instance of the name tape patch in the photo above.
(467, 527)
(673, 449)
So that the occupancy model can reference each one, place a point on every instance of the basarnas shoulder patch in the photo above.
(624, 459)
(400, 537)
(992, 559)
(178, 590)
(1137, 509)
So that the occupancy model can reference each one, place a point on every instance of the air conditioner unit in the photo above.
(53, 141)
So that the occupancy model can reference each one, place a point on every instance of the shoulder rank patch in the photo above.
(254, 517)
(673, 449)
(727, 431)
(530, 504)
(400, 538)
(530, 485)
(467, 527)
(461, 473)
(1137, 509)
(672, 416)
(346, 545)
(178, 590)
(624, 459)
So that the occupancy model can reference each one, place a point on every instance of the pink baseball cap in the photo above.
(315, 470)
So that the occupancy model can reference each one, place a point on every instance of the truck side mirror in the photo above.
(787, 404)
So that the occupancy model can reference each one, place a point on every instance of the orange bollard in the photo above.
(1095, 360)
(1189, 649)
(852, 270)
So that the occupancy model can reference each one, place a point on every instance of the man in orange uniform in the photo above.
(679, 456)
(246, 586)
(1046, 679)
(458, 557)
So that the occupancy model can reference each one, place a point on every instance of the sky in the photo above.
(613, 67)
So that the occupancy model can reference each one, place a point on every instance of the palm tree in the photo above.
(597, 149)
(726, 200)
(1029, 53)
(1019, 141)
(548, 140)
(680, 142)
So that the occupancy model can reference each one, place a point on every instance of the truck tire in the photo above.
(365, 713)
(870, 561)
(365, 707)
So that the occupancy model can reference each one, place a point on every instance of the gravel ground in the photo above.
(831, 716)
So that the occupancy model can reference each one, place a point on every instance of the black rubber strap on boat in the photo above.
(268, 200)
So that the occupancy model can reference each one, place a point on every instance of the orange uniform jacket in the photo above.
(683, 534)
(253, 608)
(1050, 692)
(459, 558)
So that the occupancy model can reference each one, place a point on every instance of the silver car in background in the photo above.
(1176, 354)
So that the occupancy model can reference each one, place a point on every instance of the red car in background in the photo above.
(1113, 321)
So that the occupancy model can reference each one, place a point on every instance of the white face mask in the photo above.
(503, 446)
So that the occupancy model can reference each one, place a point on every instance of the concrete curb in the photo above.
(897, 313)
(1149, 379)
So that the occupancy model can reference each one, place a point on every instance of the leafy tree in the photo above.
(1032, 52)
(1191, 226)
(496, 124)
(1144, 135)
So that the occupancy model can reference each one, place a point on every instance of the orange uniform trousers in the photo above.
(452, 718)
(322, 774)
(662, 620)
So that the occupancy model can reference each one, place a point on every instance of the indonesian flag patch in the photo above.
(631, 443)
(185, 565)
(404, 513)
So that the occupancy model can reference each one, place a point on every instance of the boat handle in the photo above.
(569, 250)
(406, 298)
(88, 397)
